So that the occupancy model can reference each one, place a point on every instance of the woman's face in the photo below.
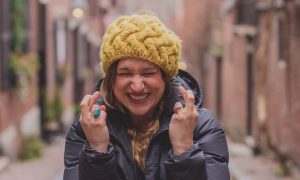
(139, 86)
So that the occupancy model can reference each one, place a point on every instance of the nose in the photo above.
(137, 84)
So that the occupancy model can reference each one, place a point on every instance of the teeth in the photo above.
(137, 98)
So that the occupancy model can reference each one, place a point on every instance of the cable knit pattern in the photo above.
(144, 37)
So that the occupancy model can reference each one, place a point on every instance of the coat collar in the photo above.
(116, 119)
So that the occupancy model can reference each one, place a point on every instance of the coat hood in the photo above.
(184, 79)
(188, 82)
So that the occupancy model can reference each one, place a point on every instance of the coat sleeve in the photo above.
(82, 162)
(94, 165)
(207, 159)
(75, 141)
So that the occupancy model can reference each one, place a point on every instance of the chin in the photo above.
(137, 112)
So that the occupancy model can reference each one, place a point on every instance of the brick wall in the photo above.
(209, 38)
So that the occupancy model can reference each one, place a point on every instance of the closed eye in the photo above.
(147, 74)
(125, 74)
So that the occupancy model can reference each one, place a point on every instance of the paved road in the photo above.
(49, 167)
(243, 165)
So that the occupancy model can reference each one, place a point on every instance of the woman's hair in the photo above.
(140, 141)
(106, 88)
(139, 138)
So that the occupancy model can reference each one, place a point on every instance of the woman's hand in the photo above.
(94, 128)
(183, 122)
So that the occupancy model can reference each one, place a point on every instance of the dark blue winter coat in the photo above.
(207, 159)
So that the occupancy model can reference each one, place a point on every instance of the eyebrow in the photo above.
(123, 69)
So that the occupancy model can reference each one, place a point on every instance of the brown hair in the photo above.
(139, 138)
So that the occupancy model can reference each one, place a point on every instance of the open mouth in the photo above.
(138, 98)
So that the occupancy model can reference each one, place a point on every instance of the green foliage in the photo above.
(53, 108)
(24, 68)
(283, 169)
(18, 23)
(77, 109)
(57, 105)
(216, 50)
(25, 65)
(31, 148)
(49, 111)
(62, 73)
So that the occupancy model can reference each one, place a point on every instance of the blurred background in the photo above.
(244, 54)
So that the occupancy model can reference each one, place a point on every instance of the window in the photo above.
(26, 44)
(246, 12)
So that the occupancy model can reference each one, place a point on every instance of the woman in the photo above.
(147, 120)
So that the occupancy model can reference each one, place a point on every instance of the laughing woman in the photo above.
(145, 120)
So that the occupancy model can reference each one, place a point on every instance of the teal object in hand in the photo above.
(96, 113)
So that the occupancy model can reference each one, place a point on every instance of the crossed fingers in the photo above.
(188, 98)
(87, 103)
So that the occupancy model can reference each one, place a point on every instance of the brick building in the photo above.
(248, 70)
(243, 53)
(19, 111)
(64, 37)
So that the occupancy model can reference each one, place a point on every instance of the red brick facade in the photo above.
(246, 61)
(250, 76)
(68, 51)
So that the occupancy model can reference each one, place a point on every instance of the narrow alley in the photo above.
(244, 54)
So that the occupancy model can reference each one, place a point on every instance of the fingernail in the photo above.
(189, 92)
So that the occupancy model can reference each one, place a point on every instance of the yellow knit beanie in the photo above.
(144, 37)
